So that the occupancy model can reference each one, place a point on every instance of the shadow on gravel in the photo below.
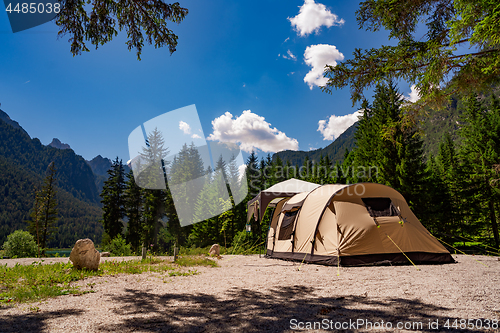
(245, 310)
(31, 322)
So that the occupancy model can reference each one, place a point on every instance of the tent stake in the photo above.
(403, 253)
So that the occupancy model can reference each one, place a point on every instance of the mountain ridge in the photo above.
(334, 150)
(23, 162)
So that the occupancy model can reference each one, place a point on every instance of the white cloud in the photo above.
(241, 170)
(286, 40)
(413, 95)
(317, 56)
(252, 132)
(185, 127)
(336, 125)
(195, 136)
(290, 55)
(312, 16)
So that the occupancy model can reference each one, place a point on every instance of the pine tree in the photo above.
(480, 153)
(450, 177)
(133, 202)
(113, 200)
(153, 179)
(367, 141)
(34, 226)
(306, 170)
(186, 167)
(394, 150)
(212, 202)
(44, 212)
(253, 175)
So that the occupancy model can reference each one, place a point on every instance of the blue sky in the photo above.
(242, 63)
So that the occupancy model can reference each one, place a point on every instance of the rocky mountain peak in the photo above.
(56, 143)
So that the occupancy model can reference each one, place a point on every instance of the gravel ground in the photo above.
(252, 294)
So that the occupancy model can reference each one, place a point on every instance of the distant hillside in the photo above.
(334, 150)
(77, 218)
(23, 162)
(438, 122)
(446, 120)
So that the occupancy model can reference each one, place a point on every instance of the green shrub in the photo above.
(118, 247)
(20, 244)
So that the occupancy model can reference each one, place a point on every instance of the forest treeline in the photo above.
(455, 193)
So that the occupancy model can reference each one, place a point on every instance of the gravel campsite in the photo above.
(254, 294)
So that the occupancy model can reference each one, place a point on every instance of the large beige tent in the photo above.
(356, 224)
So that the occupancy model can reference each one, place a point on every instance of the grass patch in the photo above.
(195, 261)
(35, 282)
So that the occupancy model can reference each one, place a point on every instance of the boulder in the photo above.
(84, 255)
(214, 250)
(105, 254)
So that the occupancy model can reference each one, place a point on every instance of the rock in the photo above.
(214, 250)
(105, 254)
(84, 255)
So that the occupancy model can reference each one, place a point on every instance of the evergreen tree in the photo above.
(345, 168)
(395, 150)
(438, 215)
(306, 170)
(34, 226)
(290, 170)
(153, 178)
(113, 200)
(211, 202)
(239, 211)
(44, 213)
(186, 167)
(367, 139)
(263, 175)
(481, 153)
(277, 171)
(253, 175)
(133, 202)
(451, 182)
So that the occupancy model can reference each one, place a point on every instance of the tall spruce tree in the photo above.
(480, 153)
(253, 175)
(113, 200)
(186, 167)
(451, 178)
(153, 177)
(395, 150)
(44, 212)
(133, 202)
(211, 202)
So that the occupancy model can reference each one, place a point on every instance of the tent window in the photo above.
(380, 207)
(287, 225)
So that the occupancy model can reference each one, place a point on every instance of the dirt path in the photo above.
(252, 294)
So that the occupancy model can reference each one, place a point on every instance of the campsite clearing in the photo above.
(252, 294)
